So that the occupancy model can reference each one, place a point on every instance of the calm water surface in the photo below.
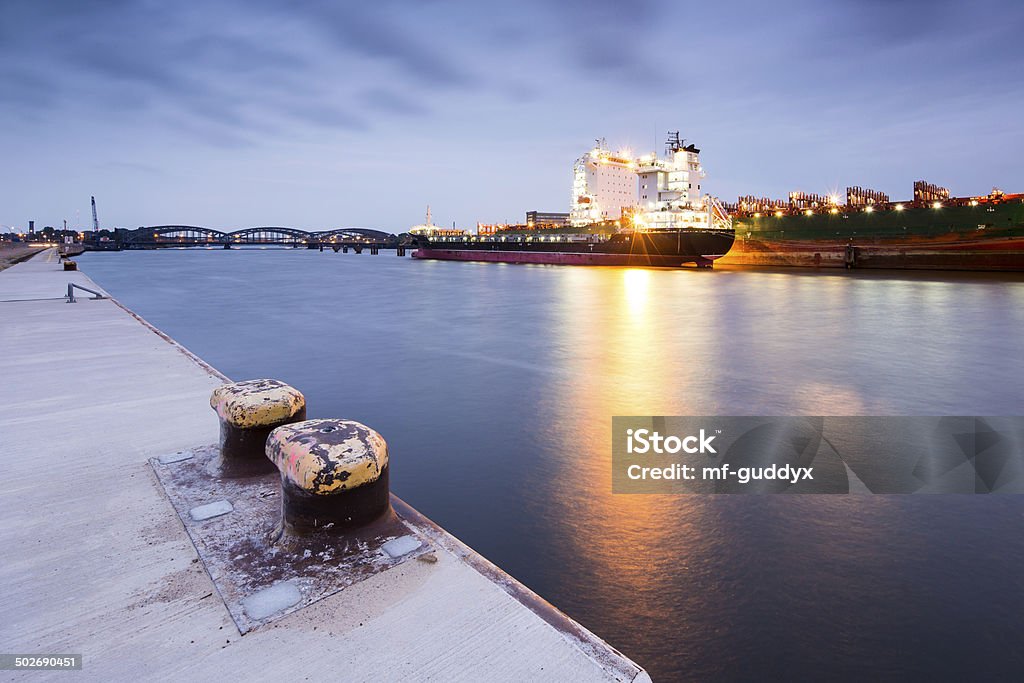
(495, 386)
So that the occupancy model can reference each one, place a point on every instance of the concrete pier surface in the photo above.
(97, 561)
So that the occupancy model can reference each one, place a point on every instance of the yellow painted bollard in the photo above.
(248, 412)
(334, 475)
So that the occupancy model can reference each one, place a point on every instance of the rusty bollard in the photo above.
(334, 475)
(248, 412)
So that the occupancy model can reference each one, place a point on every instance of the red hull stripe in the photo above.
(556, 258)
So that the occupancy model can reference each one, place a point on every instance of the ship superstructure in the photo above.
(603, 185)
(647, 192)
(668, 189)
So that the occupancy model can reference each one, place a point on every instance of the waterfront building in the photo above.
(429, 228)
(546, 219)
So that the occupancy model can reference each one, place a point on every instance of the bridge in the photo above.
(163, 236)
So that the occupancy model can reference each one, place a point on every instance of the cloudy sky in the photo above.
(319, 114)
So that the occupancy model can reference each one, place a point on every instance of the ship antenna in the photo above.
(673, 144)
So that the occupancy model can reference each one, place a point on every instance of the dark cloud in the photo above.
(327, 115)
(377, 31)
(616, 39)
(385, 100)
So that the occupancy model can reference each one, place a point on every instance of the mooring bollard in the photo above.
(248, 412)
(334, 475)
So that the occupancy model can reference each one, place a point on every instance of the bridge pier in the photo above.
(400, 251)
(374, 251)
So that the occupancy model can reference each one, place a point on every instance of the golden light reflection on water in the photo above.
(635, 283)
(621, 365)
(643, 342)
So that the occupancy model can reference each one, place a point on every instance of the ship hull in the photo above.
(985, 236)
(995, 255)
(660, 249)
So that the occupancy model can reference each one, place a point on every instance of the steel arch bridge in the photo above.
(269, 235)
(179, 233)
(353, 232)
(193, 235)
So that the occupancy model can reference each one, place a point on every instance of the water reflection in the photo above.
(495, 386)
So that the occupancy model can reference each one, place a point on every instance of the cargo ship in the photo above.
(655, 247)
(674, 225)
(932, 231)
(650, 210)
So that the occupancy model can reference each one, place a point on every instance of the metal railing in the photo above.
(71, 292)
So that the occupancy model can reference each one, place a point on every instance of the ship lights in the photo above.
(937, 205)
(833, 210)
(808, 212)
(869, 209)
(778, 214)
(757, 215)
(899, 207)
(974, 202)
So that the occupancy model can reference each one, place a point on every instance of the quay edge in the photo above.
(97, 562)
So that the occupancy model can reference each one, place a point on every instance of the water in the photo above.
(495, 386)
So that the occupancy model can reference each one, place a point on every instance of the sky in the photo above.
(321, 114)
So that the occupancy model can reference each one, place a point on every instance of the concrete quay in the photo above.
(99, 558)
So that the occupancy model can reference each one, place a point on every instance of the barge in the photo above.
(932, 231)
(656, 247)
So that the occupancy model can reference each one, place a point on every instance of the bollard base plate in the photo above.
(239, 550)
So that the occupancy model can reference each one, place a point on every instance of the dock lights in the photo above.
(899, 207)
(778, 214)
(937, 205)
(757, 215)
(833, 210)
(974, 202)
(808, 212)
(869, 209)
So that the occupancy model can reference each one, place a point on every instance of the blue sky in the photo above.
(324, 114)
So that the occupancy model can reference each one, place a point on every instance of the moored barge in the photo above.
(659, 247)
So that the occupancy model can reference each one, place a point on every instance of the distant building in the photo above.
(494, 228)
(429, 228)
(603, 185)
(541, 219)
